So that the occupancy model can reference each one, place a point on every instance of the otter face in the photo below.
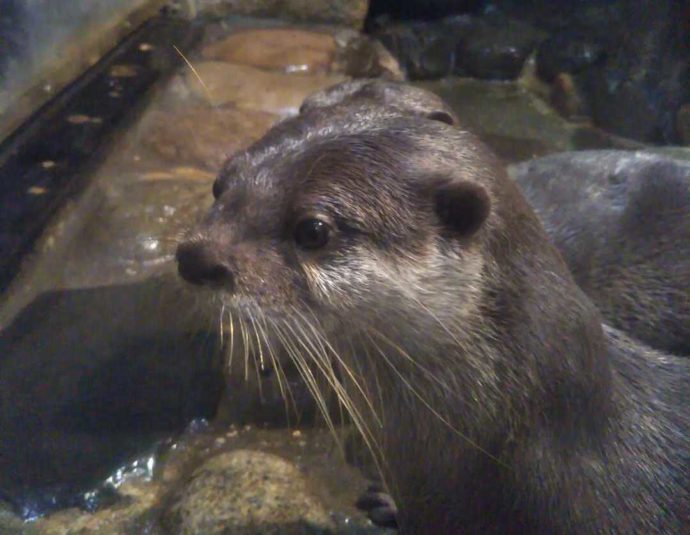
(345, 224)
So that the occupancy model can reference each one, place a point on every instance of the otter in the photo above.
(392, 250)
(621, 220)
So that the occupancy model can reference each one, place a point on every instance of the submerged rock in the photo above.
(284, 49)
(202, 136)
(255, 89)
(247, 492)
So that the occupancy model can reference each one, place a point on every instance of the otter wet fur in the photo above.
(621, 220)
(390, 253)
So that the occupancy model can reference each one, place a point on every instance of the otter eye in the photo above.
(312, 233)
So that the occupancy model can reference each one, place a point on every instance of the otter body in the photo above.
(622, 223)
(394, 247)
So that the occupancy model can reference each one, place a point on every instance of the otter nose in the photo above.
(199, 264)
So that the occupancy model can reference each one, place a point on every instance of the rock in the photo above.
(342, 12)
(246, 492)
(488, 47)
(131, 516)
(360, 56)
(202, 136)
(136, 223)
(425, 50)
(96, 377)
(567, 52)
(251, 88)
(495, 48)
(10, 524)
(515, 123)
(284, 49)
(629, 60)
(620, 219)
(566, 98)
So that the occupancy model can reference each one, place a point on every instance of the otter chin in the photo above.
(389, 253)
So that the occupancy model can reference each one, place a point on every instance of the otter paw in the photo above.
(379, 507)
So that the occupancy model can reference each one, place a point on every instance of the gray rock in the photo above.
(495, 48)
(93, 377)
(488, 47)
(247, 492)
(510, 119)
(621, 219)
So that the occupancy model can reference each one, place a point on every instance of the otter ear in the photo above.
(462, 206)
(442, 116)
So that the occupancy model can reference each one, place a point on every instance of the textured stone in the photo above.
(246, 492)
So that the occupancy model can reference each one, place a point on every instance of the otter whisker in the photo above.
(341, 362)
(245, 343)
(308, 377)
(342, 395)
(276, 366)
(258, 364)
(436, 380)
(196, 74)
(433, 411)
(221, 331)
(231, 326)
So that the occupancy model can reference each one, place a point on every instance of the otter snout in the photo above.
(198, 263)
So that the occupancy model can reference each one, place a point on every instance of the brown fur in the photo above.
(495, 399)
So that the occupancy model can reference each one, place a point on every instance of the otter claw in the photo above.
(379, 506)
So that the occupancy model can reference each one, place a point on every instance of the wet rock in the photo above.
(284, 49)
(628, 59)
(360, 56)
(247, 492)
(130, 516)
(425, 50)
(620, 219)
(566, 98)
(495, 48)
(96, 377)
(202, 136)
(567, 52)
(638, 90)
(344, 12)
(134, 226)
(488, 47)
(10, 524)
(255, 89)
(515, 123)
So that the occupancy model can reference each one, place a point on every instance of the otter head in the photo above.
(343, 222)
(404, 99)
